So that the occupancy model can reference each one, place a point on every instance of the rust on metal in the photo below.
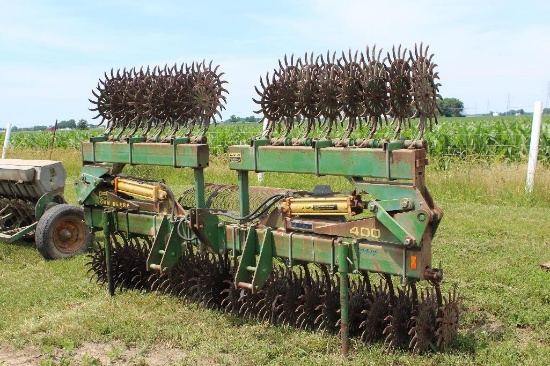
(162, 103)
(324, 92)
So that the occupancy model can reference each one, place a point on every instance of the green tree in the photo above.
(451, 107)
(82, 124)
(67, 124)
(234, 119)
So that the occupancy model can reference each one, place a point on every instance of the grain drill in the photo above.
(32, 206)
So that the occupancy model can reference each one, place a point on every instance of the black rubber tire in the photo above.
(61, 232)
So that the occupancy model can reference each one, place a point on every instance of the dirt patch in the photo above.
(489, 325)
(11, 356)
(92, 354)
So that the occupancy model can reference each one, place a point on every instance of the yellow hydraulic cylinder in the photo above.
(148, 191)
(320, 206)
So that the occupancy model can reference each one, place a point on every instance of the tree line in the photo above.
(70, 124)
(450, 107)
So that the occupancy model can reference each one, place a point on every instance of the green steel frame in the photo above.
(395, 239)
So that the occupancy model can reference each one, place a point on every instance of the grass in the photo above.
(491, 241)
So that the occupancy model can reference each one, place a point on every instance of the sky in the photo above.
(492, 55)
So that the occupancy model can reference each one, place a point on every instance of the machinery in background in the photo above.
(32, 207)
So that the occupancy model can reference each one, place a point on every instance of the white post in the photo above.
(264, 133)
(534, 147)
(6, 140)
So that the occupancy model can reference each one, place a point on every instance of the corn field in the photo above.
(483, 138)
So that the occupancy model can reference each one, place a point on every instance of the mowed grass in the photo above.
(490, 243)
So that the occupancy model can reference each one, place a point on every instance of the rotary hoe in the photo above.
(350, 263)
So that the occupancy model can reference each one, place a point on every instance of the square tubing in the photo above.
(199, 188)
(244, 203)
(107, 243)
(344, 296)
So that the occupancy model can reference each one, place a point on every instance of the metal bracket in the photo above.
(388, 147)
(318, 145)
(86, 185)
(175, 142)
(399, 231)
(256, 144)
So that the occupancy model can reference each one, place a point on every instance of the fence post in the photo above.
(534, 147)
(6, 140)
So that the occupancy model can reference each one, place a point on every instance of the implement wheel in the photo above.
(61, 232)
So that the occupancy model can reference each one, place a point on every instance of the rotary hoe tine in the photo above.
(359, 295)
(399, 321)
(96, 265)
(288, 302)
(447, 320)
(303, 298)
(247, 302)
(159, 99)
(231, 295)
(273, 290)
(425, 91)
(329, 306)
(376, 311)
(424, 323)
(308, 301)
(400, 88)
(352, 90)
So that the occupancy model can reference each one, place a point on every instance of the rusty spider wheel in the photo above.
(352, 92)
(308, 309)
(376, 312)
(128, 263)
(424, 320)
(329, 303)
(287, 302)
(448, 320)
(231, 295)
(400, 88)
(16, 213)
(376, 92)
(273, 290)
(308, 101)
(399, 321)
(158, 103)
(425, 89)
(358, 301)
(269, 102)
(330, 93)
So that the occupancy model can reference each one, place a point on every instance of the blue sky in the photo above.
(491, 54)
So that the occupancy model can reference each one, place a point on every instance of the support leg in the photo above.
(344, 297)
(243, 192)
(107, 244)
(199, 188)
